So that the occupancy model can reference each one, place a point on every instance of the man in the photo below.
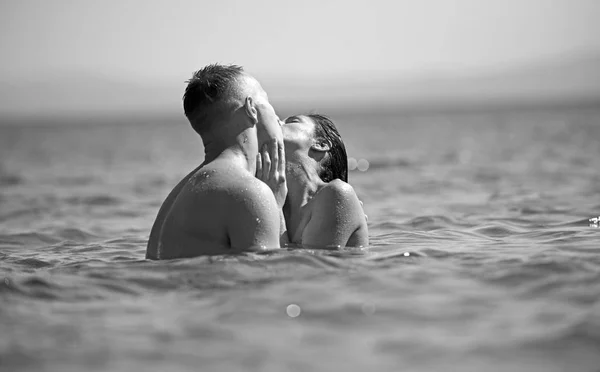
(220, 207)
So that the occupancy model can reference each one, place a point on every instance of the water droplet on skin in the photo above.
(406, 254)
(258, 220)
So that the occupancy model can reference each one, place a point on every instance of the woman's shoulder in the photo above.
(337, 193)
(336, 207)
(339, 187)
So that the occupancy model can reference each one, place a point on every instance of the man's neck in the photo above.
(242, 150)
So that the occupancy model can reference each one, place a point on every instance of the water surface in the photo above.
(482, 255)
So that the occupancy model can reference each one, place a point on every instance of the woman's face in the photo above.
(298, 134)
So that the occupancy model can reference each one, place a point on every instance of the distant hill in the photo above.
(81, 92)
(573, 80)
(559, 81)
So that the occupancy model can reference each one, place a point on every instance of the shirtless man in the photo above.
(221, 207)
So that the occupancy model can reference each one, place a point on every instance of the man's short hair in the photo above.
(210, 94)
(336, 164)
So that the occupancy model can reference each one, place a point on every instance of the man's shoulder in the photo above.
(250, 191)
(211, 178)
(241, 204)
(236, 185)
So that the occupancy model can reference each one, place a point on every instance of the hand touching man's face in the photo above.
(268, 127)
(270, 162)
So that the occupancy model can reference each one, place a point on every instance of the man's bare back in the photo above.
(218, 208)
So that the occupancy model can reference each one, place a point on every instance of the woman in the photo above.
(321, 208)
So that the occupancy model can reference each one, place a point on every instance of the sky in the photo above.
(72, 43)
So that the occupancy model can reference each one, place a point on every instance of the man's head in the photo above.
(218, 95)
(316, 136)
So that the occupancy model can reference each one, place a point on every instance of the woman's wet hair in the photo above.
(335, 164)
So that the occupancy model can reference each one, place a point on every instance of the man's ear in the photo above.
(250, 110)
(322, 145)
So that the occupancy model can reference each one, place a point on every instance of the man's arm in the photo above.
(254, 223)
(337, 216)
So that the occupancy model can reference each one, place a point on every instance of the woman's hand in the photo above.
(270, 168)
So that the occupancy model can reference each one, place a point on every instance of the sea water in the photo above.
(482, 258)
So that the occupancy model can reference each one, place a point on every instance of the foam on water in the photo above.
(482, 256)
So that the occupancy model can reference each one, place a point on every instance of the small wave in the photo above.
(546, 271)
(209, 273)
(27, 239)
(36, 281)
(514, 196)
(313, 258)
(488, 176)
(517, 221)
(75, 181)
(149, 184)
(549, 235)
(30, 286)
(130, 241)
(11, 179)
(117, 286)
(498, 230)
(78, 235)
(58, 287)
(578, 223)
(21, 213)
(12, 215)
(67, 237)
(431, 223)
(33, 263)
(390, 256)
(94, 200)
(533, 210)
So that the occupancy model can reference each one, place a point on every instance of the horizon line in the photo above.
(403, 108)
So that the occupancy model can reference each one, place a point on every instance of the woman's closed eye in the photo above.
(291, 119)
